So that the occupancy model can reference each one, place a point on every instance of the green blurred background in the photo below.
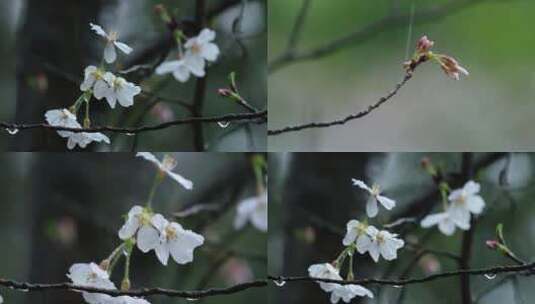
(312, 199)
(60, 209)
(44, 41)
(490, 110)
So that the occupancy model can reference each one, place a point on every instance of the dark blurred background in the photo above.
(47, 44)
(60, 209)
(312, 199)
(493, 108)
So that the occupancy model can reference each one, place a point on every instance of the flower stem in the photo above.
(157, 181)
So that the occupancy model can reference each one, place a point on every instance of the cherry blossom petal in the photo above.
(475, 204)
(210, 52)
(386, 202)
(98, 29)
(186, 183)
(371, 207)
(147, 238)
(123, 47)
(361, 184)
(110, 55)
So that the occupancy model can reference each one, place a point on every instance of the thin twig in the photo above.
(401, 282)
(346, 119)
(143, 292)
(249, 117)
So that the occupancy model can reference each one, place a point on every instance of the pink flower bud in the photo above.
(424, 45)
(492, 244)
(224, 92)
(451, 67)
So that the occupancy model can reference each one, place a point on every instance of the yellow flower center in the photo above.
(170, 232)
(195, 48)
(168, 163)
(113, 36)
(376, 190)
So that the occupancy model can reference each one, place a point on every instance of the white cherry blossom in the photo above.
(375, 196)
(91, 275)
(139, 221)
(166, 166)
(117, 89)
(62, 118)
(127, 300)
(348, 292)
(382, 243)
(199, 49)
(110, 55)
(446, 222)
(253, 210)
(465, 201)
(178, 68)
(175, 241)
(325, 271)
(357, 232)
(83, 139)
(94, 80)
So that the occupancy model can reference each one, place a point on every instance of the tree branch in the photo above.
(259, 117)
(346, 119)
(194, 294)
(401, 282)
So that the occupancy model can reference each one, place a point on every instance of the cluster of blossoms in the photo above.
(149, 231)
(192, 56)
(362, 238)
(100, 84)
(460, 205)
(423, 53)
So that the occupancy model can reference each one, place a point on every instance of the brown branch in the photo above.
(468, 236)
(259, 117)
(143, 292)
(346, 119)
(402, 282)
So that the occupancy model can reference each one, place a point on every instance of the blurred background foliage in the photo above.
(44, 41)
(60, 209)
(492, 108)
(312, 199)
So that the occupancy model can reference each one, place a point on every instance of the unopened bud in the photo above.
(125, 285)
(492, 244)
(451, 67)
(424, 45)
(224, 92)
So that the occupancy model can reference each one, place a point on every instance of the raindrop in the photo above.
(192, 299)
(397, 286)
(12, 131)
(279, 282)
(24, 290)
(490, 276)
(223, 124)
(125, 252)
(130, 134)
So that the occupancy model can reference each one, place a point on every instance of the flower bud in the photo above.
(424, 45)
(492, 244)
(451, 67)
(125, 285)
(224, 92)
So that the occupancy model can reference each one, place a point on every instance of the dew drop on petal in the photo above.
(279, 282)
(490, 276)
(12, 131)
(223, 124)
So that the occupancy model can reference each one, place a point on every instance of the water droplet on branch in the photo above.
(12, 131)
(490, 276)
(223, 124)
(279, 282)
